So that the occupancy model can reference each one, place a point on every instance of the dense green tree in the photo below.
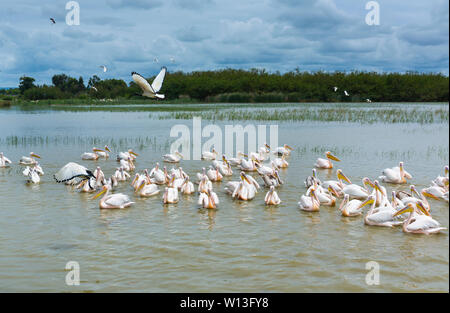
(26, 83)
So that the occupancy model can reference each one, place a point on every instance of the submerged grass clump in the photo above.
(333, 114)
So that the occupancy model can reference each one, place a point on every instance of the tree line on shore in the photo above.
(255, 85)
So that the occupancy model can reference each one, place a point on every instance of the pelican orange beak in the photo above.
(141, 186)
(378, 188)
(245, 155)
(369, 182)
(422, 208)
(429, 195)
(408, 208)
(332, 191)
(341, 175)
(97, 150)
(35, 155)
(368, 201)
(332, 157)
(289, 147)
(100, 193)
(134, 153)
(107, 149)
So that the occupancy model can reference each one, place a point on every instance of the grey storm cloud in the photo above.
(278, 35)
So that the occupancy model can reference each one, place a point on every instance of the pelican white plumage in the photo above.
(121, 174)
(421, 223)
(284, 150)
(309, 203)
(326, 163)
(187, 188)
(246, 189)
(87, 185)
(248, 165)
(128, 164)
(441, 181)
(128, 154)
(102, 153)
(170, 195)
(29, 160)
(238, 159)
(266, 170)
(272, 180)
(309, 181)
(112, 201)
(71, 172)
(176, 157)
(272, 197)
(350, 208)
(209, 155)
(379, 216)
(33, 176)
(395, 175)
(204, 184)
(338, 185)
(281, 162)
(104, 68)
(4, 161)
(223, 166)
(150, 91)
(147, 190)
(208, 199)
(214, 174)
(358, 192)
(436, 192)
(94, 155)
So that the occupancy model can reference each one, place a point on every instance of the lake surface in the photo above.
(241, 246)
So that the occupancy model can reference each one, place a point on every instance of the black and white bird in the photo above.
(72, 173)
(104, 68)
(150, 91)
(52, 20)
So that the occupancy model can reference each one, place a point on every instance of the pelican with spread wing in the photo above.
(72, 172)
(150, 91)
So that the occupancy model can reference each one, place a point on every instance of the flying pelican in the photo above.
(29, 160)
(350, 208)
(419, 223)
(112, 201)
(326, 163)
(104, 68)
(52, 20)
(395, 175)
(170, 195)
(271, 197)
(284, 150)
(187, 188)
(208, 199)
(309, 203)
(147, 190)
(70, 172)
(125, 155)
(150, 91)
(209, 155)
(4, 161)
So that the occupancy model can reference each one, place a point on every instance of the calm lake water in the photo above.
(241, 246)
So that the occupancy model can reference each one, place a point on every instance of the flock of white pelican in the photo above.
(411, 209)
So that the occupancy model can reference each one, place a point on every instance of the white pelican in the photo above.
(87, 185)
(158, 176)
(237, 161)
(419, 223)
(309, 181)
(437, 193)
(272, 197)
(187, 188)
(150, 91)
(395, 175)
(441, 181)
(147, 190)
(272, 180)
(71, 172)
(121, 174)
(125, 155)
(379, 216)
(326, 163)
(266, 170)
(264, 152)
(209, 155)
(350, 208)
(4, 161)
(246, 189)
(214, 174)
(29, 160)
(112, 201)
(173, 158)
(224, 167)
(127, 165)
(202, 174)
(358, 192)
(205, 184)
(178, 172)
(170, 195)
(284, 150)
(102, 153)
(112, 181)
(281, 162)
(337, 185)
(33, 176)
(309, 203)
(91, 155)
(248, 165)
(321, 195)
(208, 199)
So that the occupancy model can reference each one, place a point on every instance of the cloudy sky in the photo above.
(278, 35)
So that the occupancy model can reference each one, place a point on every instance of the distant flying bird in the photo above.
(53, 20)
(150, 91)
(335, 89)
(156, 60)
(346, 93)
(104, 68)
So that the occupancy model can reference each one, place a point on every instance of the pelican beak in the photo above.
(98, 150)
(35, 155)
(267, 146)
(141, 186)
(341, 175)
(107, 149)
(99, 194)
(245, 155)
(429, 195)
(408, 208)
(369, 182)
(422, 208)
(134, 153)
(290, 148)
(244, 177)
(332, 157)
(368, 201)
(333, 191)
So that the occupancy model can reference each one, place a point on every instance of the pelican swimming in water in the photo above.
(224, 167)
(125, 155)
(127, 165)
(284, 150)
(246, 189)
(102, 153)
(272, 197)
(395, 175)
(309, 203)
(237, 161)
(419, 223)
(91, 155)
(324, 197)
(176, 157)
(209, 155)
(266, 170)
(29, 160)
(87, 186)
(4, 161)
(147, 190)
(441, 181)
(248, 165)
(150, 91)
(35, 167)
(379, 216)
(436, 192)
(158, 176)
(121, 174)
(204, 184)
(187, 188)
(33, 176)
(326, 163)
(272, 179)
(349, 207)
(71, 172)
(358, 192)
(281, 162)
(214, 175)
(338, 185)
(310, 180)
(112, 201)
(170, 195)
(208, 199)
